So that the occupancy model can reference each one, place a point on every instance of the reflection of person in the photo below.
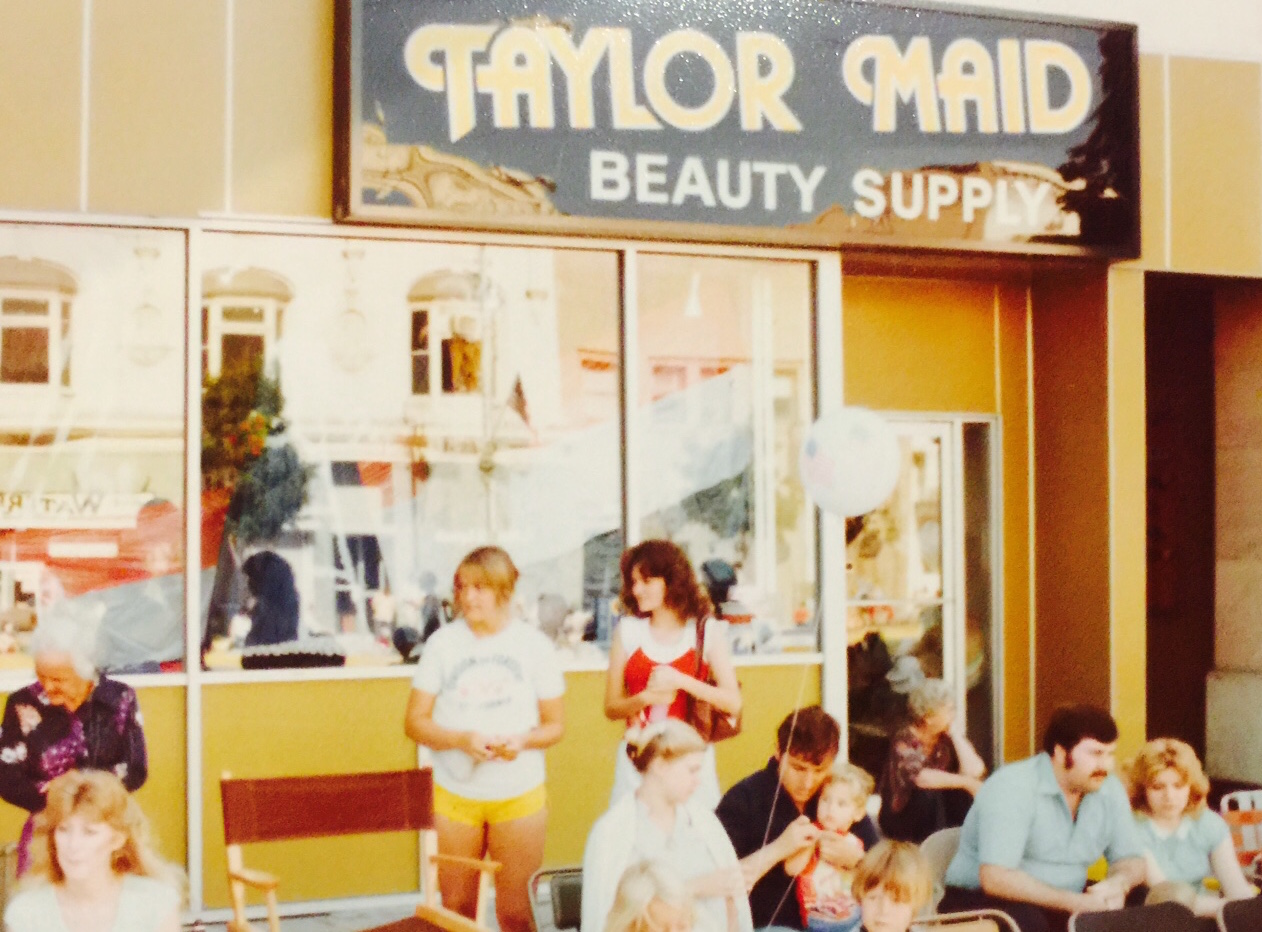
(892, 884)
(770, 816)
(1184, 841)
(90, 859)
(274, 608)
(824, 888)
(487, 698)
(933, 771)
(1037, 825)
(69, 719)
(653, 657)
(661, 821)
(650, 898)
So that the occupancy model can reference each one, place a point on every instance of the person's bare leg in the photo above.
(518, 846)
(459, 885)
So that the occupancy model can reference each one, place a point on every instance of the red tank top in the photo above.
(635, 677)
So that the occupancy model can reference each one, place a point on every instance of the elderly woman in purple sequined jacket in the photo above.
(72, 718)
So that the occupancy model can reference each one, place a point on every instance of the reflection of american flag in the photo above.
(517, 402)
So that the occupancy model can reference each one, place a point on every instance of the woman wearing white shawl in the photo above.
(658, 822)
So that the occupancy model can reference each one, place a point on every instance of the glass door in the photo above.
(920, 587)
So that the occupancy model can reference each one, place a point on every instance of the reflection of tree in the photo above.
(1107, 204)
(241, 423)
(239, 409)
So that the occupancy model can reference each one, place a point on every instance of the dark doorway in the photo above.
(1179, 362)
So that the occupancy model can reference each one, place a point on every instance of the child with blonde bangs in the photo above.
(824, 888)
(650, 899)
(893, 885)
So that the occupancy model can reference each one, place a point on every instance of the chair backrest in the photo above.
(277, 808)
(560, 890)
(973, 920)
(938, 849)
(1242, 810)
(1162, 917)
(1241, 916)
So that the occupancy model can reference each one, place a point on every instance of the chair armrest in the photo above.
(262, 880)
(475, 863)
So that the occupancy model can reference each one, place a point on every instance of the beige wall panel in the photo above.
(157, 107)
(1071, 489)
(1014, 409)
(39, 110)
(1128, 506)
(283, 107)
(1216, 166)
(1152, 161)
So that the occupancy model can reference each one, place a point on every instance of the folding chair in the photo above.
(1242, 811)
(1241, 916)
(938, 849)
(1162, 917)
(281, 808)
(556, 898)
(973, 920)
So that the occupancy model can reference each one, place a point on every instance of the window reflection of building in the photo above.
(447, 310)
(725, 395)
(242, 318)
(35, 299)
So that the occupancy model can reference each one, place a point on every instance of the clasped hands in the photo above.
(492, 747)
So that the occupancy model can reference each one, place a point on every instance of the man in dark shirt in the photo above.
(770, 816)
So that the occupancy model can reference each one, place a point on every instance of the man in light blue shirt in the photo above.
(1037, 825)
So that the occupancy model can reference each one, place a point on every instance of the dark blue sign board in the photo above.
(804, 122)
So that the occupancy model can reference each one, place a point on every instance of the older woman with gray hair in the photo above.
(932, 772)
(71, 718)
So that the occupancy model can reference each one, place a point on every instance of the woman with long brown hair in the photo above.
(653, 663)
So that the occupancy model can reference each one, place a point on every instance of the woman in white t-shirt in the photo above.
(487, 699)
(653, 659)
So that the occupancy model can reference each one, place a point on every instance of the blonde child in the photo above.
(650, 899)
(892, 884)
(823, 888)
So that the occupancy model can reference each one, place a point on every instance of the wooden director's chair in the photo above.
(282, 808)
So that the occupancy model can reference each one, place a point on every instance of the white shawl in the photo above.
(609, 852)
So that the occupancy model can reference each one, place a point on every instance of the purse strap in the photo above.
(700, 648)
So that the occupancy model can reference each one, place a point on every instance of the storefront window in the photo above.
(91, 476)
(724, 366)
(479, 412)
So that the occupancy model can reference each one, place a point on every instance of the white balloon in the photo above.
(850, 461)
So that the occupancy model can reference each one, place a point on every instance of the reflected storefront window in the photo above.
(724, 369)
(478, 404)
(92, 440)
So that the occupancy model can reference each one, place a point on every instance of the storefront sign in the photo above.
(803, 121)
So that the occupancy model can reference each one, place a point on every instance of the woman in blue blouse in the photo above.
(1184, 841)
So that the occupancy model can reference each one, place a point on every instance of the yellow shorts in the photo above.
(488, 811)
